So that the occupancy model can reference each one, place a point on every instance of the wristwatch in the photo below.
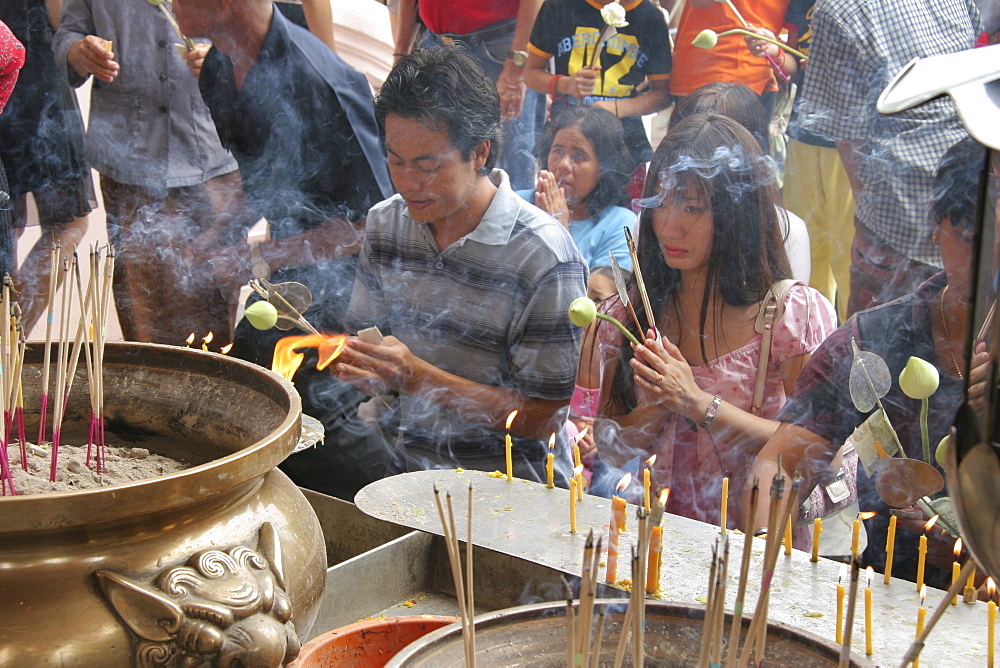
(519, 58)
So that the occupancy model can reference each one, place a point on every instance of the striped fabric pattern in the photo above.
(490, 308)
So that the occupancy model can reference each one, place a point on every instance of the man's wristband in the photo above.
(553, 84)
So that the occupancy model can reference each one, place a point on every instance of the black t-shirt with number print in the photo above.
(568, 30)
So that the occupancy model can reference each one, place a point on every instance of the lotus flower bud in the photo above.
(582, 311)
(918, 379)
(262, 314)
(706, 39)
(941, 453)
(614, 15)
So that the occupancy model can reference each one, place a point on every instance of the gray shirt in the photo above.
(149, 127)
(492, 308)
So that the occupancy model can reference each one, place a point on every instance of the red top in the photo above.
(11, 62)
(462, 18)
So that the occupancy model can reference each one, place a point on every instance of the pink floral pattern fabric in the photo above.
(691, 461)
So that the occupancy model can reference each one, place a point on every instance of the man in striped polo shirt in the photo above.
(469, 283)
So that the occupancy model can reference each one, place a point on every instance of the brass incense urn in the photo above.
(219, 564)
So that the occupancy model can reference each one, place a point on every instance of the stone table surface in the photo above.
(525, 519)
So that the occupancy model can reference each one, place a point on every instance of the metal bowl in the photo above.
(535, 635)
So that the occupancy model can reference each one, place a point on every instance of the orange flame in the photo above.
(190, 339)
(930, 523)
(991, 587)
(208, 338)
(287, 361)
(624, 482)
(510, 418)
(226, 348)
(664, 496)
(552, 442)
(923, 594)
(867, 515)
(651, 461)
(958, 548)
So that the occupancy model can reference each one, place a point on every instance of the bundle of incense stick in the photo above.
(582, 644)
(734, 634)
(634, 622)
(715, 609)
(464, 593)
(778, 514)
(637, 272)
(49, 319)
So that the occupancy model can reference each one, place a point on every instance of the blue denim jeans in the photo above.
(517, 154)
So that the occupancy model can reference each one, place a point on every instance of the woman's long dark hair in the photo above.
(722, 162)
(604, 131)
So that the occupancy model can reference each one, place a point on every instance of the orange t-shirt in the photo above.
(730, 60)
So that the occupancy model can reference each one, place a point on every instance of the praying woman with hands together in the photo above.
(709, 251)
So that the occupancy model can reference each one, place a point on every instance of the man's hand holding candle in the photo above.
(92, 56)
(376, 368)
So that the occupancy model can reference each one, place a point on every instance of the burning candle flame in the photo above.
(930, 523)
(867, 515)
(190, 339)
(577, 470)
(208, 338)
(991, 587)
(923, 594)
(510, 418)
(552, 442)
(870, 575)
(843, 574)
(664, 495)
(651, 461)
(958, 548)
(226, 348)
(287, 361)
(624, 483)
(582, 434)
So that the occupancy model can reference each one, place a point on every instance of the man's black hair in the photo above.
(445, 85)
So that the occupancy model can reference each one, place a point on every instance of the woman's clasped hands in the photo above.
(663, 377)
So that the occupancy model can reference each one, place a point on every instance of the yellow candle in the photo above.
(840, 613)
(550, 463)
(991, 619)
(856, 532)
(890, 548)
(616, 527)
(723, 519)
(921, 559)
(654, 560)
(970, 595)
(788, 538)
(921, 614)
(577, 460)
(572, 505)
(870, 574)
(817, 530)
(956, 569)
(579, 482)
(645, 489)
(509, 446)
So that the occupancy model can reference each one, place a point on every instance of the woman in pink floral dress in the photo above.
(709, 248)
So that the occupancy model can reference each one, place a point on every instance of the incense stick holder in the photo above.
(169, 570)
(536, 634)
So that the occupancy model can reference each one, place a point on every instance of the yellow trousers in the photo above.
(817, 189)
